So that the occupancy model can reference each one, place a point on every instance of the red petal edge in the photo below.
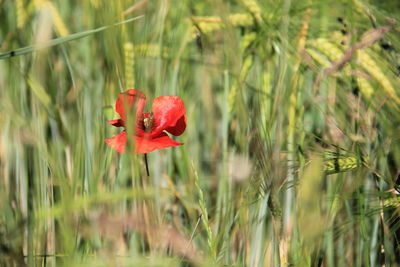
(144, 145)
(117, 123)
(117, 142)
(128, 100)
(179, 127)
(169, 115)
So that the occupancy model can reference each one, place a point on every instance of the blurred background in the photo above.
(291, 154)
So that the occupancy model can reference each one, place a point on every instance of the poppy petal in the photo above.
(146, 145)
(179, 127)
(128, 100)
(117, 123)
(169, 115)
(117, 142)
(143, 144)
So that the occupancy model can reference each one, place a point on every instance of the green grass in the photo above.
(285, 163)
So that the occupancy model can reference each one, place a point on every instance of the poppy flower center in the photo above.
(148, 122)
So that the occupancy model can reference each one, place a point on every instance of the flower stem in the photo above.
(147, 165)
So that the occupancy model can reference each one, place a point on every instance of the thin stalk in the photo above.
(282, 73)
(147, 165)
(204, 216)
(258, 244)
(30, 205)
(291, 141)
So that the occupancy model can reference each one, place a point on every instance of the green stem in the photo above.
(147, 165)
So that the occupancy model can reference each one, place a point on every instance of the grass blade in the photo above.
(62, 40)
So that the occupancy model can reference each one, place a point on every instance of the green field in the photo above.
(291, 153)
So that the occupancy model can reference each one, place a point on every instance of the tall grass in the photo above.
(291, 154)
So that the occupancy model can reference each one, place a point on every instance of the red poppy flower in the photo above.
(167, 115)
